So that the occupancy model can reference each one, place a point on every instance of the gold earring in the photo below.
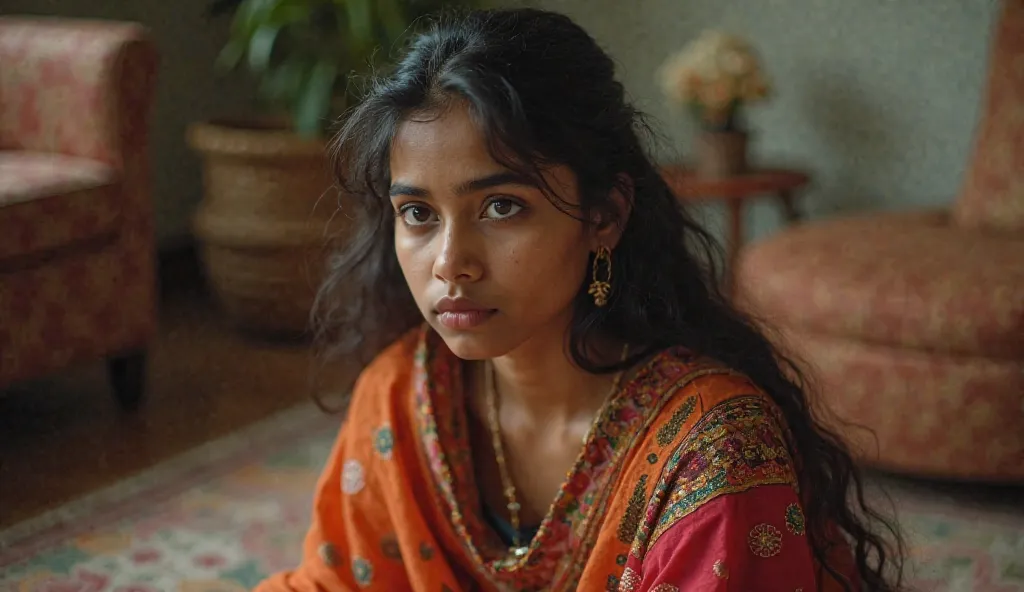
(600, 289)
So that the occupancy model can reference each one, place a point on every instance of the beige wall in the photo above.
(878, 98)
(189, 90)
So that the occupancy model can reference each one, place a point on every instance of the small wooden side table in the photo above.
(780, 183)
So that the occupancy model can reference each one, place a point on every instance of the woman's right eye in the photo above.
(416, 215)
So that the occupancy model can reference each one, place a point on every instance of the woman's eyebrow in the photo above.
(495, 180)
(401, 189)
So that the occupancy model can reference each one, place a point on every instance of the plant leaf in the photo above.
(393, 18)
(229, 56)
(314, 102)
(284, 82)
(360, 20)
(243, 13)
(286, 12)
(303, 51)
(250, 15)
(261, 46)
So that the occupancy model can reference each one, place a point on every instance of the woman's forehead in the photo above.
(448, 149)
(449, 144)
(452, 129)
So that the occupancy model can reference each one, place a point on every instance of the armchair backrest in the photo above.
(75, 87)
(993, 192)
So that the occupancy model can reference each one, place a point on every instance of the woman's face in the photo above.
(490, 261)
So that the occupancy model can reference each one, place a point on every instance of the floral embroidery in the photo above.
(630, 580)
(389, 547)
(795, 522)
(352, 477)
(612, 585)
(328, 554)
(737, 445)
(621, 559)
(426, 552)
(765, 540)
(362, 571)
(634, 513)
(384, 441)
(670, 430)
(652, 458)
(556, 556)
(665, 588)
(720, 570)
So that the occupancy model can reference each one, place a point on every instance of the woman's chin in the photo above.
(475, 345)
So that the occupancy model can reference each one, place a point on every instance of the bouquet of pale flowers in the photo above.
(714, 76)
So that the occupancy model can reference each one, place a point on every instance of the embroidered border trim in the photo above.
(627, 417)
(683, 373)
(738, 444)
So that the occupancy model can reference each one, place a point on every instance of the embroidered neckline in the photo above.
(568, 531)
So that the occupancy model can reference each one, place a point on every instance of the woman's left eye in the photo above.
(502, 208)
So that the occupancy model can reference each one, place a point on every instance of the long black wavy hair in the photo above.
(544, 93)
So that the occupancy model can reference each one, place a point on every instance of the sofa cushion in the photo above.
(993, 192)
(48, 201)
(934, 415)
(911, 280)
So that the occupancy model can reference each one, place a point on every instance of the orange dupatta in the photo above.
(687, 483)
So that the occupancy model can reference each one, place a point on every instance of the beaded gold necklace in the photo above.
(518, 549)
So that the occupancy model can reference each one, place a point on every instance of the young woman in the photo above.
(561, 399)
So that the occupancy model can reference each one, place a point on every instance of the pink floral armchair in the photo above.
(77, 258)
(913, 322)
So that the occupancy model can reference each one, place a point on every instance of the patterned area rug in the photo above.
(221, 517)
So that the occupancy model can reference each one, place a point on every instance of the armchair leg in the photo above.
(127, 374)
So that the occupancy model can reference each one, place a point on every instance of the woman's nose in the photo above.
(459, 258)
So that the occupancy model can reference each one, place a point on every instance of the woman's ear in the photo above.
(610, 222)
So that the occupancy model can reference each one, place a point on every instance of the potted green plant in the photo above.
(266, 211)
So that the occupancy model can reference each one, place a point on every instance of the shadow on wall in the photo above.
(855, 131)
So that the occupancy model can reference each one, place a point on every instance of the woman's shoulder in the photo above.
(691, 380)
(711, 409)
(388, 376)
(395, 360)
(716, 433)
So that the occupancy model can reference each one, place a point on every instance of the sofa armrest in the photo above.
(75, 87)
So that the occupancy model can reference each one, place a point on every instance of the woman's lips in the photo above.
(462, 320)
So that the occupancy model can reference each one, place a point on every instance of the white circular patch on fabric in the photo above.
(353, 478)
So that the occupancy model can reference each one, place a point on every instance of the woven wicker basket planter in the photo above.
(266, 223)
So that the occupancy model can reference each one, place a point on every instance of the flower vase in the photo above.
(721, 153)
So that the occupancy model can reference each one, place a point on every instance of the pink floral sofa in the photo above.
(913, 323)
(77, 258)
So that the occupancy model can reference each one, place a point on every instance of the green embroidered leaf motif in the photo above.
(668, 432)
(635, 510)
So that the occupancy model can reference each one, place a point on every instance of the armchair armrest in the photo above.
(75, 87)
